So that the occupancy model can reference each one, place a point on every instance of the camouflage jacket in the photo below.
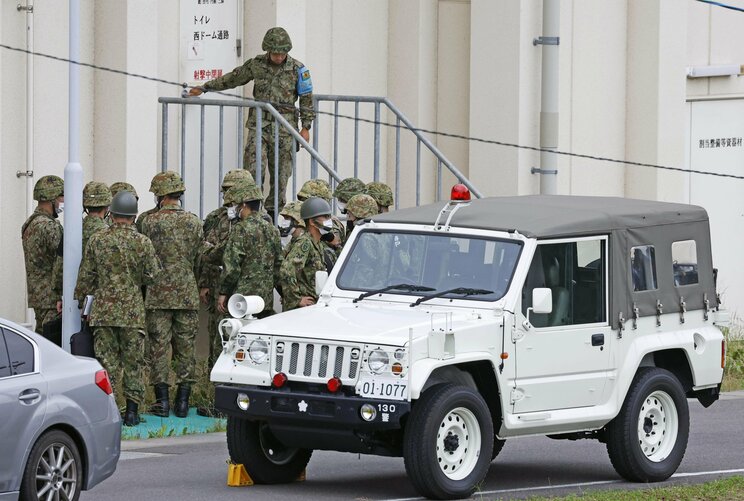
(272, 83)
(143, 215)
(216, 230)
(252, 260)
(41, 235)
(176, 236)
(117, 263)
(297, 274)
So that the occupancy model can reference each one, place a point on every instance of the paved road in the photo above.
(194, 468)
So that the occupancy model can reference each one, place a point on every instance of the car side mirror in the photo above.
(542, 304)
(321, 277)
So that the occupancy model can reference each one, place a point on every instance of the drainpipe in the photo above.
(549, 97)
(73, 190)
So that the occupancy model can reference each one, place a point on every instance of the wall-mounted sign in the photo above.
(208, 39)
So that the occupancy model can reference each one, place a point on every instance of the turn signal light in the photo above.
(103, 382)
(334, 384)
(279, 379)
(397, 369)
(460, 193)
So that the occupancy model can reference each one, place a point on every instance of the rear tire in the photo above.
(448, 442)
(54, 466)
(266, 460)
(647, 440)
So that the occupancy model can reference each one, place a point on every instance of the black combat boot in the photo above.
(181, 405)
(131, 418)
(161, 407)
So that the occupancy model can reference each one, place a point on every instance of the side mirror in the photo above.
(542, 303)
(321, 277)
(241, 306)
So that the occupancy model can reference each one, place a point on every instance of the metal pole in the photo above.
(276, 173)
(258, 137)
(183, 142)
(397, 163)
(294, 169)
(439, 180)
(29, 123)
(202, 111)
(356, 139)
(164, 139)
(549, 97)
(221, 155)
(418, 173)
(377, 142)
(240, 146)
(316, 126)
(73, 231)
(335, 142)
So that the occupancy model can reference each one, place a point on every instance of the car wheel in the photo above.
(647, 440)
(54, 469)
(448, 442)
(266, 460)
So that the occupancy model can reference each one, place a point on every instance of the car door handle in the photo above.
(597, 339)
(28, 396)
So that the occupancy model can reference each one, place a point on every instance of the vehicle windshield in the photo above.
(383, 258)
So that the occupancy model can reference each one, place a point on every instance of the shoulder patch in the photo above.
(304, 82)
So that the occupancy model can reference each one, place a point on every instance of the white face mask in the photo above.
(326, 227)
(60, 208)
(232, 212)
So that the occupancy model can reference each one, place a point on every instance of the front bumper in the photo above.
(292, 407)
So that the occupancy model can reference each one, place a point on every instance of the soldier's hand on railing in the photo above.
(196, 91)
(305, 134)
(204, 295)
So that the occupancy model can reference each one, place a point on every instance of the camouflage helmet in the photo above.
(165, 183)
(381, 192)
(314, 207)
(122, 186)
(292, 210)
(244, 192)
(348, 188)
(96, 194)
(362, 206)
(315, 188)
(48, 188)
(124, 204)
(277, 40)
(235, 176)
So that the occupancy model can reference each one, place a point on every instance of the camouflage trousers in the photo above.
(268, 150)
(177, 329)
(122, 349)
(42, 317)
(215, 339)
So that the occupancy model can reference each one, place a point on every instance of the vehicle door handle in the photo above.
(29, 396)
(597, 339)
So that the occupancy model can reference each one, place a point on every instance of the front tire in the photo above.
(266, 460)
(54, 469)
(647, 440)
(448, 442)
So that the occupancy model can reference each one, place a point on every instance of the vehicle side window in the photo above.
(575, 274)
(643, 268)
(20, 354)
(4, 362)
(684, 261)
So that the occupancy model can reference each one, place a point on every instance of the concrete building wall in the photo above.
(466, 67)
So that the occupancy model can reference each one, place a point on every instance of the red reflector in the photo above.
(102, 381)
(279, 379)
(723, 354)
(460, 192)
(334, 384)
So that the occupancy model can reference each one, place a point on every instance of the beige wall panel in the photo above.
(698, 44)
(726, 47)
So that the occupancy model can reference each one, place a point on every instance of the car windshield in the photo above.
(442, 262)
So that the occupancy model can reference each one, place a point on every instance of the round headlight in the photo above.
(242, 341)
(399, 354)
(243, 401)
(258, 351)
(368, 412)
(378, 361)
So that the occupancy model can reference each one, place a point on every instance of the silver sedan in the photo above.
(60, 430)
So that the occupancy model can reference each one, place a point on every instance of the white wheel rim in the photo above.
(458, 443)
(658, 424)
(56, 474)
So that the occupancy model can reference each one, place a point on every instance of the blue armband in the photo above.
(304, 82)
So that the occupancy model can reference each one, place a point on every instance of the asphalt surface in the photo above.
(194, 468)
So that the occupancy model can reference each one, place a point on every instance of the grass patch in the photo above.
(728, 489)
(733, 377)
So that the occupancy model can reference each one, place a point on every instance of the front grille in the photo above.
(313, 361)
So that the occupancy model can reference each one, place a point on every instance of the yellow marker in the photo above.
(237, 476)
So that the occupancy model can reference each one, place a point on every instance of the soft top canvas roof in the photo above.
(551, 216)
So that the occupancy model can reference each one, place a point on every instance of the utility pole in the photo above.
(550, 42)
(73, 190)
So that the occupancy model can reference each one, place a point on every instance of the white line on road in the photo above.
(127, 455)
(583, 484)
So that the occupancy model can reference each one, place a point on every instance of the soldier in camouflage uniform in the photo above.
(345, 190)
(172, 302)
(295, 225)
(42, 235)
(116, 188)
(321, 189)
(382, 194)
(217, 227)
(360, 207)
(156, 180)
(370, 254)
(280, 80)
(307, 256)
(253, 254)
(117, 263)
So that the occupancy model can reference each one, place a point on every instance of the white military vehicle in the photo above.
(446, 329)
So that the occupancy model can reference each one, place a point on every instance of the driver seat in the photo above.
(561, 299)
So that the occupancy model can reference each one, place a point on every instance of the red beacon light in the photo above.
(334, 384)
(460, 193)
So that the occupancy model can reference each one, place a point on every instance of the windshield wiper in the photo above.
(397, 287)
(464, 291)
